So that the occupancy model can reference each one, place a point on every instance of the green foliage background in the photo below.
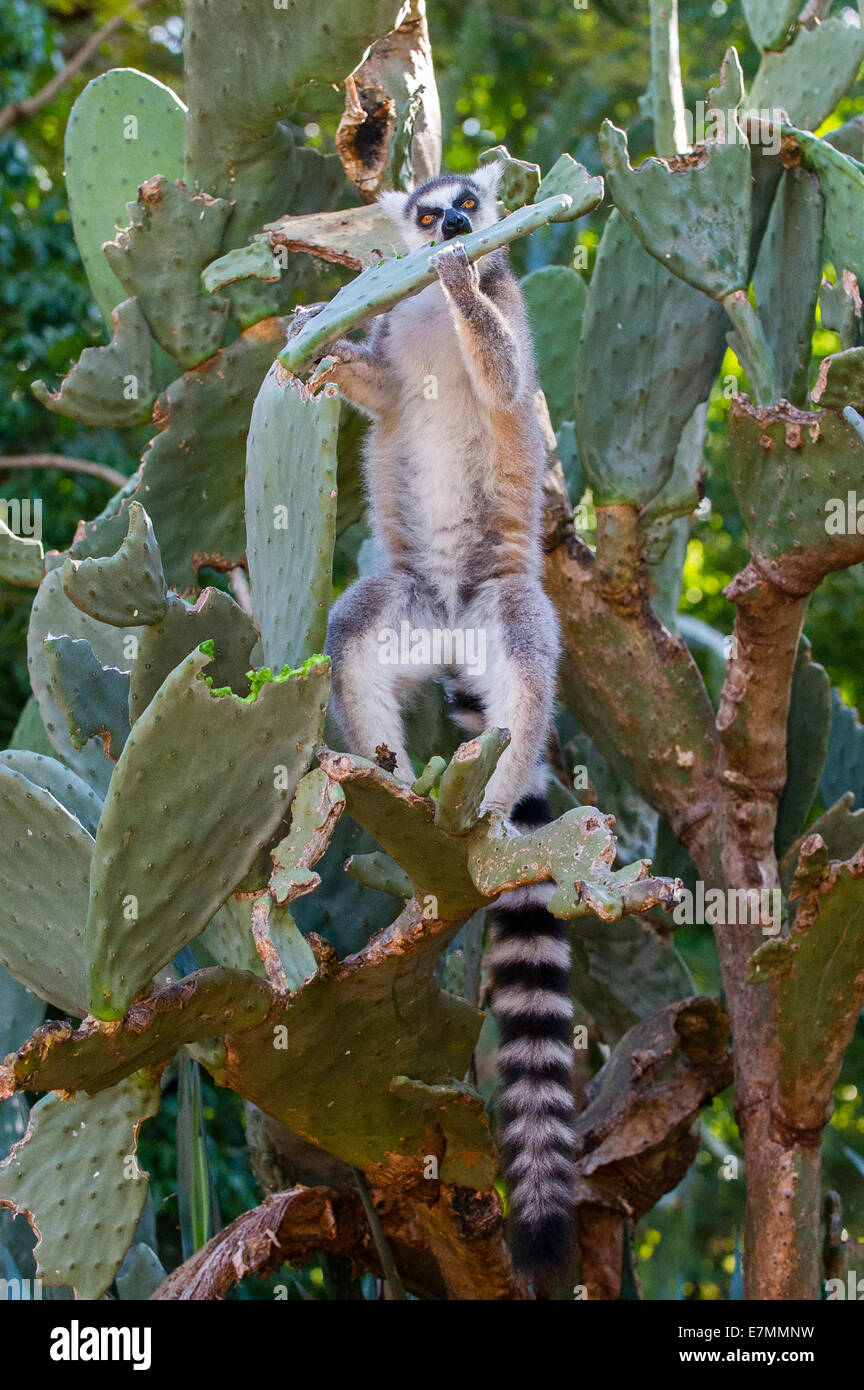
(539, 75)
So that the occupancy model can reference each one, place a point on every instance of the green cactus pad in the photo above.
(318, 803)
(844, 761)
(377, 870)
(840, 381)
(126, 588)
(809, 77)
(20, 1012)
(807, 728)
(637, 388)
(463, 781)
(45, 855)
(842, 182)
(769, 21)
(378, 289)
(569, 177)
(277, 61)
(555, 297)
(848, 137)
(791, 255)
(108, 155)
(29, 733)
(519, 179)
(66, 787)
(692, 214)
(356, 237)
(792, 472)
(242, 97)
(577, 851)
(228, 940)
(841, 830)
(822, 994)
(324, 1068)
(838, 312)
(93, 698)
(22, 559)
(430, 776)
(205, 1004)
(459, 873)
(291, 515)
(140, 1274)
(75, 1178)
(623, 972)
(287, 956)
(215, 617)
(461, 1108)
(230, 764)
(54, 615)
(110, 385)
(404, 826)
(192, 473)
(256, 259)
(159, 257)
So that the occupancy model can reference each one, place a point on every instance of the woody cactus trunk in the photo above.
(175, 824)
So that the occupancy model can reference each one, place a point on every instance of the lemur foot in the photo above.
(454, 269)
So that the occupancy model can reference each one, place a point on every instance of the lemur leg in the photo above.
(492, 354)
(362, 373)
(368, 685)
(517, 688)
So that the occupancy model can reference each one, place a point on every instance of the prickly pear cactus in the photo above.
(173, 874)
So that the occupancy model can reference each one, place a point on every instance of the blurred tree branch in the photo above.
(72, 465)
(18, 111)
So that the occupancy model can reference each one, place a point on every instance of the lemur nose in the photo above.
(455, 224)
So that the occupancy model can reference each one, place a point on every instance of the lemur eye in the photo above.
(427, 218)
(469, 203)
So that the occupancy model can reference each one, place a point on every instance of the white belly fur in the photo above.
(443, 422)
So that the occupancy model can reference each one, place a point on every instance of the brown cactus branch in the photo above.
(782, 1222)
(463, 1229)
(658, 725)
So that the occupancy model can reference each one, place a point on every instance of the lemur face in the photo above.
(445, 207)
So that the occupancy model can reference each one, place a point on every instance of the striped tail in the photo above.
(530, 962)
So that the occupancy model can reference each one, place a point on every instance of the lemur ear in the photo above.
(392, 202)
(488, 176)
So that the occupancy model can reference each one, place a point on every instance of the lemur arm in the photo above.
(362, 371)
(492, 351)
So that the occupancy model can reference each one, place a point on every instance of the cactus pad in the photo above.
(45, 855)
(122, 129)
(191, 479)
(53, 615)
(66, 787)
(159, 257)
(692, 214)
(291, 515)
(807, 79)
(230, 763)
(214, 618)
(94, 698)
(22, 559)
(110, 385)
(126, 588)
(75, 1178)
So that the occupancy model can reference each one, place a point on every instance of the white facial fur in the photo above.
(396, 205)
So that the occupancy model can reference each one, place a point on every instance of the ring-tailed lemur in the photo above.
(454, 463)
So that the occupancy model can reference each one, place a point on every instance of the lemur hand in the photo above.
(342, 351)
(455, 271)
